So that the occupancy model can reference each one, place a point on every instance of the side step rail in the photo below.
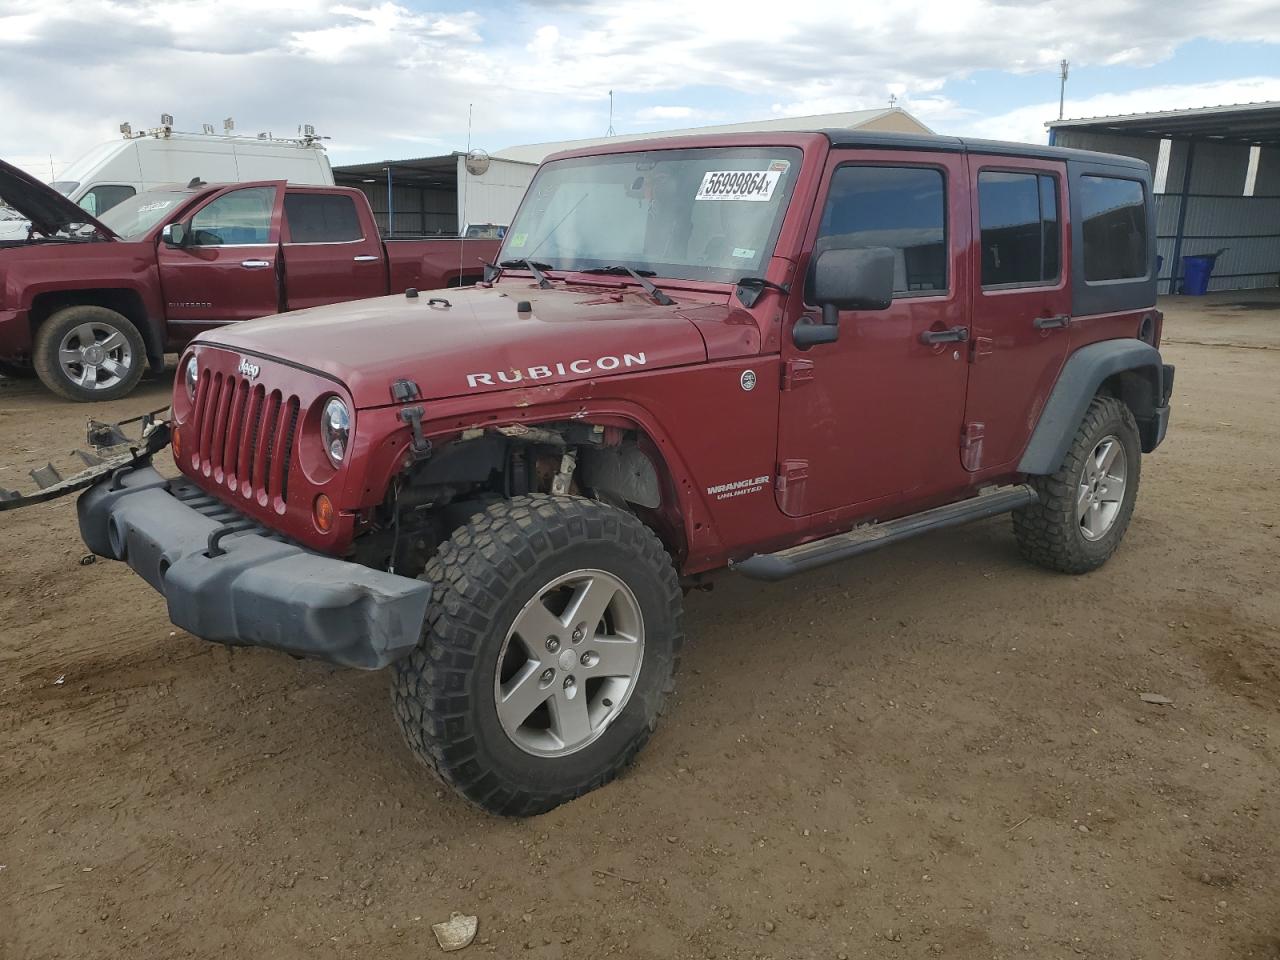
(873, 536)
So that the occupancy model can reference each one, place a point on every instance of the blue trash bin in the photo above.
(1195, 275)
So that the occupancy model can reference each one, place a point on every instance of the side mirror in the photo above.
(853, 279)
(174, 235)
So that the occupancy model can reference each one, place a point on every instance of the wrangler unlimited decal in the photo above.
(547, 371)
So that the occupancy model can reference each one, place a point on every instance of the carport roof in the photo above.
(420, 171)
(1232, 123)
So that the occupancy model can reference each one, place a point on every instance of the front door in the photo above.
(1021, 303)
(228, 269)
(876, 416)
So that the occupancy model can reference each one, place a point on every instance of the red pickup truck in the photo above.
(86, 303)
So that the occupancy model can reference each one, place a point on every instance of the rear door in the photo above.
(874, 418)
(331, 253)
(1021, 303)
(228, 269)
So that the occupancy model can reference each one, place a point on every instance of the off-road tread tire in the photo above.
(432, 688)
(1048, 532)
(44, 354)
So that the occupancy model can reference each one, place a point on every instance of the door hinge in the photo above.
(971, 445)
(790, 484)
(796, 373)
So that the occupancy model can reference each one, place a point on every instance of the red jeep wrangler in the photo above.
(760, 352)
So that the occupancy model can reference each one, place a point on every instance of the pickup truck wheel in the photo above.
(1085, 507)
(88, 353)
(547, 654)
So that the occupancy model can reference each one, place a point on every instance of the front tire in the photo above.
(1085, 507)
(87, 353)
(547, 654)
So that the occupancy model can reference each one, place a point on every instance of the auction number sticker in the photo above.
(755, 185)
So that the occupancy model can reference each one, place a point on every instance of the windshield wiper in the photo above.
(533, 266)
(639, 276)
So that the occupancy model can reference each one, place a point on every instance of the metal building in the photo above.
(1217, 184)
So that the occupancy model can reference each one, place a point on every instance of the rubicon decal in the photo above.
(550, 371)
(738, 488)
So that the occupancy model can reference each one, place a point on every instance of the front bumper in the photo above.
(229, 580)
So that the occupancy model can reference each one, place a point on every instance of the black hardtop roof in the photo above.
(868, 139)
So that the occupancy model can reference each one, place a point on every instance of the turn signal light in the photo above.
(323, 511)
(175, 438)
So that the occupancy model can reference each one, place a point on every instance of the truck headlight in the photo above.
(191, 376)
(335, 430)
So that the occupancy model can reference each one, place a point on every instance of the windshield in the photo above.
(710, 213)
(134, 216)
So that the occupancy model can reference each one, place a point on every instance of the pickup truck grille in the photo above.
(245, 437)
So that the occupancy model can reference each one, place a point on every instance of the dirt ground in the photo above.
(935, 750)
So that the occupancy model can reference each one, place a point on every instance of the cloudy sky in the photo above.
(392, 79)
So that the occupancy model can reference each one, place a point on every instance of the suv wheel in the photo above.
(1085, 507)
(89, 353)
(547, 653)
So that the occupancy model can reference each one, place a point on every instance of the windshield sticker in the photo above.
(755, 185)
(782, 166)
(519, 239)
(743, 253)
(157, 205)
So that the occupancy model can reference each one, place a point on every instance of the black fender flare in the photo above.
(1144, 391)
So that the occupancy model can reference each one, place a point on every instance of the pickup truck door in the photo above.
(228, 268)
(331, 251)
(1021, 303)
(874, 419)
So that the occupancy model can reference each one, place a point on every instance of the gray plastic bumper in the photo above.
(254, 589)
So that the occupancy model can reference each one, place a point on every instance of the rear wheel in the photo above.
(1084, 509)
(88, 353)
(547, 654)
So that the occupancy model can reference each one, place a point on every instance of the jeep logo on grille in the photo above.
(248, 370)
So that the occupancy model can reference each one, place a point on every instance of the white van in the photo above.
(114, 171)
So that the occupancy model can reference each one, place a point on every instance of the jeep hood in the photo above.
(479, 343)
(47, 209)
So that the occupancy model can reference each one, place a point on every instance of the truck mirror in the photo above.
(174, 235)
(852, 279)
(806, 333)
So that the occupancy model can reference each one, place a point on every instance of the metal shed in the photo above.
(1217, 184)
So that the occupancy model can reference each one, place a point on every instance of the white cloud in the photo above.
(372, 72)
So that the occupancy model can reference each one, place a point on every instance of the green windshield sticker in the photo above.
(519, 239)
(743, 253)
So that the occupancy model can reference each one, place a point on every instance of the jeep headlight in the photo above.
(335, 430)
(191, 377)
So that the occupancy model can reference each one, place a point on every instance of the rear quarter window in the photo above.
(1114, 228)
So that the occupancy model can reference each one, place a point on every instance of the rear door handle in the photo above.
(255, 264)
(954, 335)
(1052, 323)
(366, 258)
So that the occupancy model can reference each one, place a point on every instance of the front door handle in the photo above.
(1052, 323)
(255, 264)
(366, 258)
(954, 335)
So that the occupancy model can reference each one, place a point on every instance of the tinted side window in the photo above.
(903, 208)
(239, 217)
(321, 218)
(103, 197)
(1018, 213)
(1115, 228)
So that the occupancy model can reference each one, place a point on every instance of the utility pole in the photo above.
(1062, 87)
(611, 132)
(893, 100)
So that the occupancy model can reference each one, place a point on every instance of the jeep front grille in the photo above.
(245, 437)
